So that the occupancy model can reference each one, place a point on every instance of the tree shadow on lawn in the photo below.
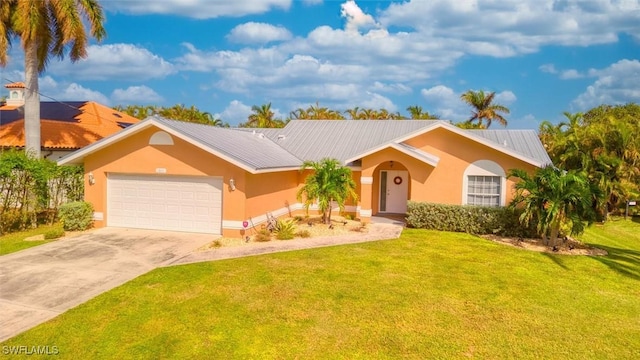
(623, 261)
(556, 259)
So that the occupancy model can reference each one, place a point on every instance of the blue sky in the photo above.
(541, 57)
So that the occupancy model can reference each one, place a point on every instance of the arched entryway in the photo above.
(391, 188)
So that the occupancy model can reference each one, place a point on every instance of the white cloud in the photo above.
(115, 61)
(356, 18)
(570, 74)
(198, 9)
(75, 92)
(615, 84)
(548, 68)
(377, 101)
(312, 2)
(136, 95)
(258, 33)
(396, 88)
(505, 98)
(507, 28)
(445, 102)
(235, 113)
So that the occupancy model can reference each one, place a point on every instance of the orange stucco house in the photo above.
(170, 175)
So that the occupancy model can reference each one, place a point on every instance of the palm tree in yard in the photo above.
(553, 198)
(330, 182)
(484, 110)
(45, 28)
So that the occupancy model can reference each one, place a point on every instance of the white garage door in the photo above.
(176, 203)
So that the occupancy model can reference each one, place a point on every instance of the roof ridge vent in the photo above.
(504, 143)
(261, 135)
(281, 137)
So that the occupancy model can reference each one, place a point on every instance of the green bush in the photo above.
(16, 220)
(477, 220)
(54, 234)
(285, 229)
(76, 215)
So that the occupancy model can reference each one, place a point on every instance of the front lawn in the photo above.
(426, 295)
(13, 242)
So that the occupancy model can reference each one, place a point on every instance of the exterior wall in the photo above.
(133, 155)
(418, 173)
(444, 183)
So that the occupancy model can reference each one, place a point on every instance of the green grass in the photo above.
(13, 242)
(426, 295)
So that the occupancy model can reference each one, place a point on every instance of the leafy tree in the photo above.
(605, 144)
(316, 113)
(262, 117)
(45, 28)
(330, 182)
(417, 114)
(553, 198)
(484, 110)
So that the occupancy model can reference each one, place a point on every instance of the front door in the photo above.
(394, 188)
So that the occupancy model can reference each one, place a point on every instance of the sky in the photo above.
(540, 57)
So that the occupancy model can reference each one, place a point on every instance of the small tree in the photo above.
(553, 198)
(329, 182)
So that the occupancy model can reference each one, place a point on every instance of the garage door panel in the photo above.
(165, 202)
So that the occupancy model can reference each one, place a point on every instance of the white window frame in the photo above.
(484, 168)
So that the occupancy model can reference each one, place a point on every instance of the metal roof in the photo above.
(341, 139)
(255, 150)
(258, 150)
(525, 142)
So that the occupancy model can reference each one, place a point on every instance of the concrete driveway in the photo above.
(40, 283)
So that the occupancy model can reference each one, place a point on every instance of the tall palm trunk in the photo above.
(31, 101)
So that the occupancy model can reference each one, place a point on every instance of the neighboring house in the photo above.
(170, 175)
(65, 127)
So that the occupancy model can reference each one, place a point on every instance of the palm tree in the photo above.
(262, 117)
(330, 182)
(483, 107)
(417, 113)
(45, 28)
(553, 198)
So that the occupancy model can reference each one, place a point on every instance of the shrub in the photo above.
(54, 234)
(262, 236)
(303, 234)
(76, 215)
(285, 229)
(15, 220)
(470, 219)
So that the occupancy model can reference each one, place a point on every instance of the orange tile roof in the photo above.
(91, 123)
(15, 85)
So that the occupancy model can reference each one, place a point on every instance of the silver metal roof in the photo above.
(341, 139)
(254, 150)
(302, 140)
(524, 142)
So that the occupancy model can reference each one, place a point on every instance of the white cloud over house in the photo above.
(136, 95)
(115, 62)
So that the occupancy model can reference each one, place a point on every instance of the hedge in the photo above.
(76, 215)
(503, 221)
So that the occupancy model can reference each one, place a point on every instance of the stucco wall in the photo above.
(440, 184)
(133, 155)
